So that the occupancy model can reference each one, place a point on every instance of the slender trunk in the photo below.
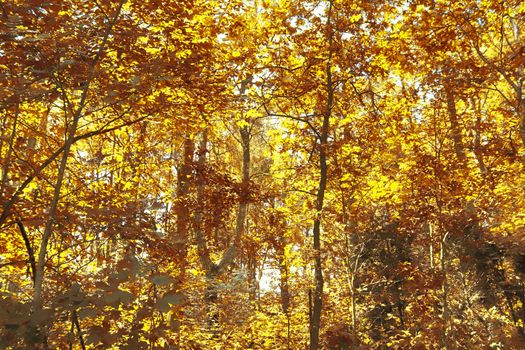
(520, 100)
(29, 249)
(212, 269)
(315, 323)
(522, 307)
(3, 130)
(352, 266)
(399, 305)
(318, 272)
(202, 249)
(7, 159)
(75, 323)
(180, 241)
(477, 147)
(288, 334)
(212, 297)
(457, 138)
(69, 140)
(51, 218)
(284, 280)
(430, 230)
(521, 113)
(446, 312)
(52, 214)
(184, 176)
(252, 276)
(354, 306)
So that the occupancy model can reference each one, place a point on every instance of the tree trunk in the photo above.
(520, 100)
(457, 138)
(284, 278)
(180, 239)
(7, 159)
(315, 323)
(70, 139)
(184, 176)
(212, 297)
(446, 311)
(429, 228)
(477, 138)
(212, 269)
(252, 276)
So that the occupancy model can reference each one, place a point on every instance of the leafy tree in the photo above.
(262, 174)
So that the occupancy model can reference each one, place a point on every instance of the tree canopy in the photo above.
(262, 174)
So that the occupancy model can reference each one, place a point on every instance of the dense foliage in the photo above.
(266, 174)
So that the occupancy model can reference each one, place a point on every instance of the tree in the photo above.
(261, 174)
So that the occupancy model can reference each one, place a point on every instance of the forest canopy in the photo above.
(262, 174)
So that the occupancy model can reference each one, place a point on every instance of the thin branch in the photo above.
(9, 263)
(29, 248)
(79, 330)
(9, 204)
(307, 122)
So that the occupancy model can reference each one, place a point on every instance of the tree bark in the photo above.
(10, 146)
(215, 269)
(446, 311)
(29, 249)
(457, 138)
(253, 284)
(184, 176)
(315, 324)
(284, 277)
(202, 249)
(520, 103)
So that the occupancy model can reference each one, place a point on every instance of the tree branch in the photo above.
(9, 204)
(29, 248)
